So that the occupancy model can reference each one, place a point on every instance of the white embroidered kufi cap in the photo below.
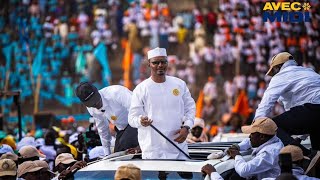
(156, 52)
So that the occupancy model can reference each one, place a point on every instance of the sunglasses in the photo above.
(158, 62)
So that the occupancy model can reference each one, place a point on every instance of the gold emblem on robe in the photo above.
(176, 92)
(114, 118)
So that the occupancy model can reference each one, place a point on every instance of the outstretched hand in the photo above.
(78, 165)
(233, 152)
(208, 169)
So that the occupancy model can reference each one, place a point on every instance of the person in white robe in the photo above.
(166, 103)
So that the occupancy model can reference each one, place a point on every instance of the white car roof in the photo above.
(106, 167)
(149, 165)
(161, 165)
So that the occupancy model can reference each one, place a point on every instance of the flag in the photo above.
(100, 52)
(23, 32)
(242, 105)
(68, 95)
(36, 65)
(80, 63)
(126, 65)
(199, 104)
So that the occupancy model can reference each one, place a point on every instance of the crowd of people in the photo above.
(42, 157)
(58, 154)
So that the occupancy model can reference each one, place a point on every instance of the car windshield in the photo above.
(149, 175)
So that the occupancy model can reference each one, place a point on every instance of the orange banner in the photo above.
(242, 105)
(126, 65)
(199, 104)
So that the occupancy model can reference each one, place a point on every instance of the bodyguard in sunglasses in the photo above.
(109, 105)
(166, 103)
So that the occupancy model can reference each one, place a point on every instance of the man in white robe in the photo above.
(166, 103)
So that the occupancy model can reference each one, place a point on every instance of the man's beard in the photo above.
(161, 72)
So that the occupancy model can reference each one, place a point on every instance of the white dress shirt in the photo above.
(298, 172)
(50, 153)
(169, 105)
(116, 103)
(215, 176)
(292, 86)
(264, 162)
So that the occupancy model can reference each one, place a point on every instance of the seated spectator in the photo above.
(29, 153)
(9, 140)
(48, 148)
(265, 155)
(297, 161)
(45, 171)
(130, 172)
(4, 148)
(30, 170)
(66, 165)
(11, 156)
(8, 169)
(197, 132)
(26, 141)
